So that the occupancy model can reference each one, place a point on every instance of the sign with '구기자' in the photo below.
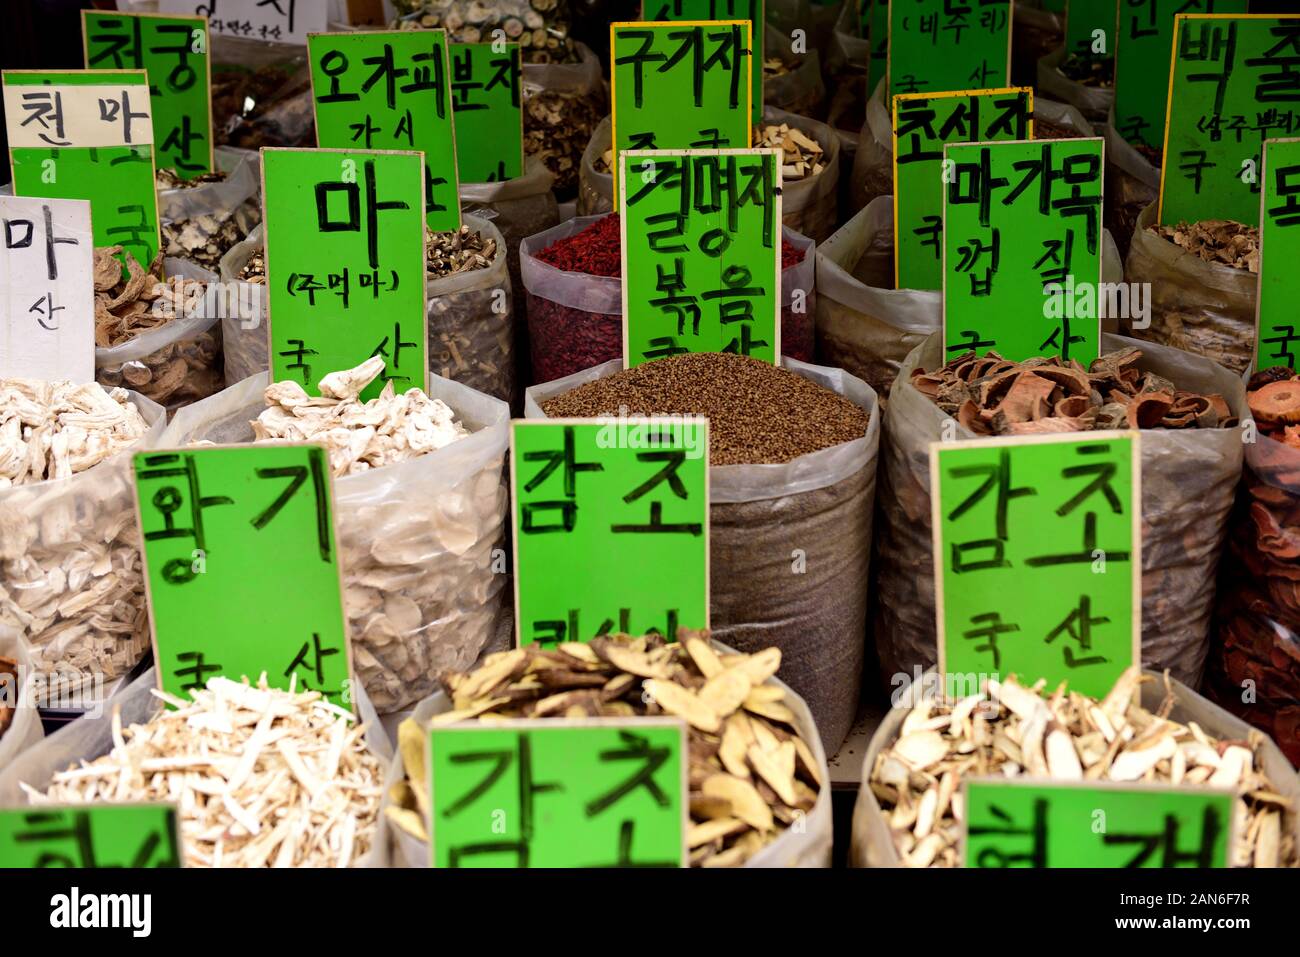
(697, 10)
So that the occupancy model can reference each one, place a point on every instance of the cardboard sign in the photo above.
(701, 253)
(1026, 823)
(85, 134)
(682, 85)
(1022, 248)
(592, 501)
(1143, 42)
(345, 264)
(1037, 556)
(923, 124)
(488, 111)
(47, 289)
(597, 792)
(389, 91)
(1083, 20)
(284, 21)
(173, 51)
(241, 568)
(694, 10)
(1277, 326)
(90, 835)
(941, 45)
(875, 28)
(1232, 89)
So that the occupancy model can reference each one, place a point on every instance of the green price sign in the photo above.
(93, 836)
(241, 567)
(173, 51)
(345, 264)
(936, 46)
(1229, 76)
(593, 501)
(562, 793)
(1037, 556)
(84, 134)
(390, 90)
(488, 111)
(682, 85)
(1022, 248)
(1277, 327)
(1144, 39)
(706, 10)
(875, 27)
(711, 281)
(1098, 824)
(1090, 28)
(923, 124)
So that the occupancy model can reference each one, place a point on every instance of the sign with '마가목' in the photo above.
(941, 45)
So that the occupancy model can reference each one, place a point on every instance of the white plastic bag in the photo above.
(25, 729)
(1132, 184)
(213, 199)
(563, 102)
(245, 337)
(1094, 102)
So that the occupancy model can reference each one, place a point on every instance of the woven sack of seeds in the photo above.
(864, 324)
(244, 331)
(873, 846)
(1094, 102)
(1132, 183)
(563, 103)
(807, 846)
(70, 578)
(92, 737)
(814, 510)
(1188, 479)
(20, 726)
(261, 94)
(1200, 307)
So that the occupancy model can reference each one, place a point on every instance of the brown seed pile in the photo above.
(1216, 241)
(757, 413)
(446, 254)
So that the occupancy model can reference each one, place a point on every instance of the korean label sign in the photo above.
(1090, 29)
(561, 793)
(85, 134)
(1098, 824)
(241, 567)
(874, 27)
(284, 21)
(345, 264)
(596, 500)
(173, 51)
(93, 836)
(1143, 40)
(939, 45)
(701, 253)
(682, 85)
(1037, 557)
(750, 10)
(923, 124)
(47, 289)
(390, 90)
(1022, 248)
(1278, 326)
(488, 111)
(1235, 84)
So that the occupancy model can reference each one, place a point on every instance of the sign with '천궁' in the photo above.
(697, 10)
(1277, 324)
(1037, 554)
(488, 109)
(701, 251)
(941, 45)
(281, 21)
(92, 836)
(590, 500)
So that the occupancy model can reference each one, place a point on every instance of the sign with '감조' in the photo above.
(280, 21)
(1278, 325)
(701, 251)
(488, 109)
(695, 10)
(93, 836)
(1037, 554)
(941, 45)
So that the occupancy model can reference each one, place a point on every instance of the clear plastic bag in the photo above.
(261, 94)
(800, 89)
(810, 846)
(1203, 308)
(817, 507)
(1188, 479)
(563, 103)
(245, 334)
(596, 189)
(202, 223)
(416, 540)
(1132, 184)
(1094, 102)
(213, 199)
(25, 730)
(70, 575)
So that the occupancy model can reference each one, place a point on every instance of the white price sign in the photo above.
(284, 21)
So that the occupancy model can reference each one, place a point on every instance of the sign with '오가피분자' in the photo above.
(1037, 553)
(345, 264)
(599, 792)
(47, 289)
(1024, 823)
(174, 52)
(701, 249)
(941, 45)
(87, 134)
(704, 10)
(488, 109)
(590, 500)
(280, 21)
(1233, 85)
(241, 568)
(1278, 325)
(390, 90)
(923, 124)
(1022, 248)
(93, 836)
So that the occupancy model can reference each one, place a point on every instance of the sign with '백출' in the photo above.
(1278, 325)
(697, 10)
(701, 250)
(941, 45)
(488, 110)
(92, 836)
